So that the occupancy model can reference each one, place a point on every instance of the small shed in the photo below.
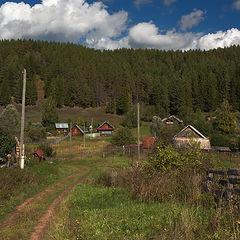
(39, 154)
(105, 129)
(148, 142)
(190, 133)
(172, 119)
(225, 150)
(61, 127)
(77, 131)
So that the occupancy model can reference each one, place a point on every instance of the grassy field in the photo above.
(97, 115)
(96, 211)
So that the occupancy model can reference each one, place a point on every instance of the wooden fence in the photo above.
(229, 179)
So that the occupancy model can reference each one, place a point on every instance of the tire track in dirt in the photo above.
(44, 221)
(19, 209)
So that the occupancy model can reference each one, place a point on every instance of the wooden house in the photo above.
(77, 131)
(105, 129)
(171, 120)
(61, 127)
(190, 133)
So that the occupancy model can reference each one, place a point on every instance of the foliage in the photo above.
(130, 119)
(47, 149)
(49, 114)
(168, 81)
(155, 125)
(80, 122)
(122, 137)
(221, 140)
(36, 134)
(163, 132)
(225, 120)
(10, 120)
(164, 158)
(123, 101)
(7, 143)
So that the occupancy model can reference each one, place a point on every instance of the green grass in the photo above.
(97, 212)
(17, 185)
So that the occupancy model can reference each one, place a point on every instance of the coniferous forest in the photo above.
(169, 81)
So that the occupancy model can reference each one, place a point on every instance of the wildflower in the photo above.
(238, 222)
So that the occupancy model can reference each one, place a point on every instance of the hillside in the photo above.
(172, 82)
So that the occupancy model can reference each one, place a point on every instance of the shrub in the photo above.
(47, 150)
(36, 134)
(122, 137)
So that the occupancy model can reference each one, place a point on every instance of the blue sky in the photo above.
(111, 24)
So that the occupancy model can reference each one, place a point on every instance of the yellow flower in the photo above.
(238, 222)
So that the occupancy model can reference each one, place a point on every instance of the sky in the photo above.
(113, 24)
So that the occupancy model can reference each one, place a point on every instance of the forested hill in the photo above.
(75, 75)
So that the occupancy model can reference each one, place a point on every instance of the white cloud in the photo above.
(169, 2)
(146, 35)
(236, 4)
(137, 3)
(220, 39)
(60, 20)
(192, 19)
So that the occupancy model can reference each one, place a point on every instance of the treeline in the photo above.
(168, 81)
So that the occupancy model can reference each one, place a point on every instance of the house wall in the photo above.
(183, 141)
(105, 127)
(76, 132)
(189, 133)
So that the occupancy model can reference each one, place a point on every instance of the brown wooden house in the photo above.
(171, 120)
(77, 131)
(190, 133)
(105, 129)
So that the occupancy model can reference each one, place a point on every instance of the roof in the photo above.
(172, 116)
(221, 149)
(61, 125)
(106, 123)
(39, 153)
(78, 128)
(194, 129)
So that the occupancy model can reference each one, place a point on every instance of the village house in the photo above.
(190, 133)
(61, 127)
(105, 129)
(171, 120)
(77, 131)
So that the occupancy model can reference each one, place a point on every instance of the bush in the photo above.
(221, 140)
(47, 150)
(122, 137)
(36, 134)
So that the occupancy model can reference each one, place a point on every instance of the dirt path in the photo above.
(43, 223)
(37, 210)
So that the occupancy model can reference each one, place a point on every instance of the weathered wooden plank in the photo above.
(234, 180)
(234, 172)
(236, 190)
(220, 172)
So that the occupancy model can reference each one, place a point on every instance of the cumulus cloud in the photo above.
(137, 3)
(220, 39)
(169, 2)
(146, 35)
(236, 4)
(192, 19)
(60, 20)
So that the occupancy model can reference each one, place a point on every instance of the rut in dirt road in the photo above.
(37, 210)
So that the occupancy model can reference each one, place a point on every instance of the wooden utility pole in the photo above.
(70, 138)
(84, 140)
(138, 133)
(22, 121)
